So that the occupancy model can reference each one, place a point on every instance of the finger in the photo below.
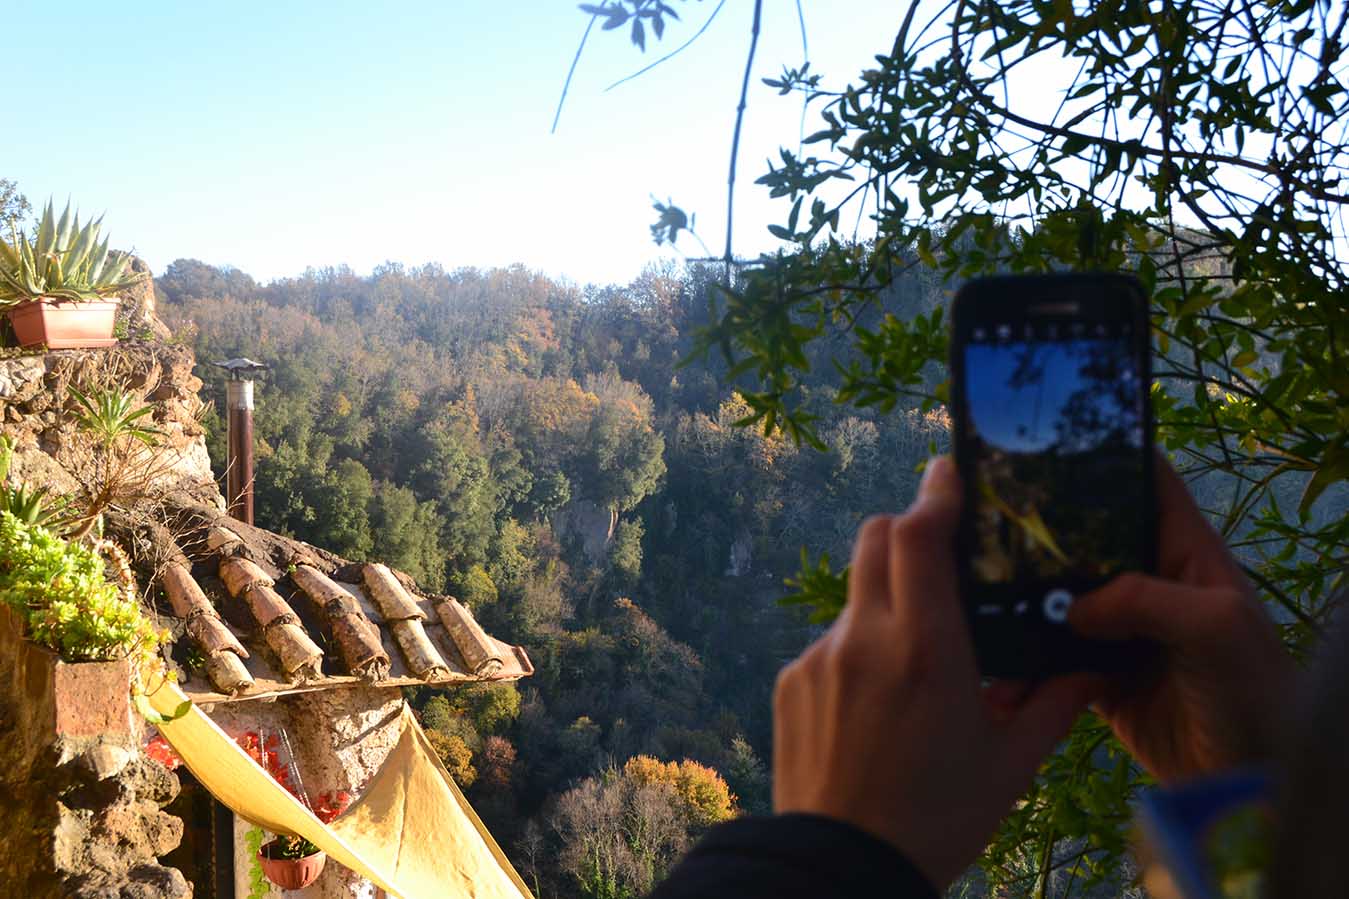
(921, 540)
(1190, 549)
(1045, 717)
(1136, 605)
(869, 576)
(940, 482)
(923, 586)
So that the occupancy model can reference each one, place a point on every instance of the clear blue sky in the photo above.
(277, 136)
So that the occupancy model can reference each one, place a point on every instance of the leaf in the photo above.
(639, 34)
(1074, 144)
(1334, 468)
(148, 712)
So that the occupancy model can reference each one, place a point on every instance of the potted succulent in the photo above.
(58, 285)
(291, 863)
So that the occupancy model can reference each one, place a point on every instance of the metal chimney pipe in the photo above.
(239, 453)
(239, 473)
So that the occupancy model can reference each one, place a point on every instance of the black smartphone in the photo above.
(1050, 394)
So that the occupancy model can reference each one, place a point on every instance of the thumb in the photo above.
(1138, 605)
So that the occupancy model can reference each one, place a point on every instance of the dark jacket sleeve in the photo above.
(790, 856)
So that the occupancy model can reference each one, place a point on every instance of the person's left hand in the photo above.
(883, 722)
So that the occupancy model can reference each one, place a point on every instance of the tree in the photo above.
(707, 800)
(406, 534)
(437, 714)
(14, 207)
(492, 706)
(456, 756)
(619, 835)
(1194, 147)
(746, 776)
(625, 553)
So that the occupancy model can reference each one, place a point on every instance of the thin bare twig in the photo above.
(566, 85)
(735, 138)
(673, 53)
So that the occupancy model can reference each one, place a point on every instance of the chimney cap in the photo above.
(242, 369)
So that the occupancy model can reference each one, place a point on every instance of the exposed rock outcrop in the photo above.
(37, 410)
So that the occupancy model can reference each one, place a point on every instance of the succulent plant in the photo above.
(64, 260)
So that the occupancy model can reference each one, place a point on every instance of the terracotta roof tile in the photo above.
(295, 600)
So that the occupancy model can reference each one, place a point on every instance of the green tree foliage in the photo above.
(493, 707)
(406, 533)
(450, 423)
(14, 206)
(437, 714)
(625, 553)
(301, 489)
(475, 588)
(1188, 148)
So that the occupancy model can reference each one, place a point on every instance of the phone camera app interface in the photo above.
(1056, 425)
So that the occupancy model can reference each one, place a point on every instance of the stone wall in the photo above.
(80, 807)
(37, 412)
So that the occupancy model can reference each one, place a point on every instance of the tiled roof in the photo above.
(268, 616)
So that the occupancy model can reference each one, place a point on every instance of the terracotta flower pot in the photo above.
(291, 873)
(62, 324)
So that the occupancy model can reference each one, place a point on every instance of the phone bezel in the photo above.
(1027, 646)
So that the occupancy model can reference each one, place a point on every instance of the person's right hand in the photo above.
(1216, 695)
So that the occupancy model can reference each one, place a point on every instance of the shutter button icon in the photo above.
(1056, 605)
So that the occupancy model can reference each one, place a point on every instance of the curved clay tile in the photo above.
(393, 600)
(227, 672)
(480, 652)
(405, 620)
(300, 656)
(224, 653)
(222, 540)
(267, 606)
(239, 574)
(356, 635)
(424, 660)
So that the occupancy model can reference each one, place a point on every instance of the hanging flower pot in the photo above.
(291, 863)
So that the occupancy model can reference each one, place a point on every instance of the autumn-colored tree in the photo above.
(456, 756)
(707, 800)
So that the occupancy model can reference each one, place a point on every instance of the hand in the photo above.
(1213, 696)
(882, 722)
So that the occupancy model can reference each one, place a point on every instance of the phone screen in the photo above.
(1056, 437)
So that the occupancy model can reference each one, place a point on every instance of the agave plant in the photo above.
(32, 507)
(108, 415)
(65, 261)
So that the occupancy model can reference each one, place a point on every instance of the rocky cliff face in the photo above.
(38, 412)
(81, 816)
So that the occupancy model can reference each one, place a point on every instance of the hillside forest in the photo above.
(538, 450)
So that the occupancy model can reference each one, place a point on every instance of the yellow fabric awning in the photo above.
(412, 833)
